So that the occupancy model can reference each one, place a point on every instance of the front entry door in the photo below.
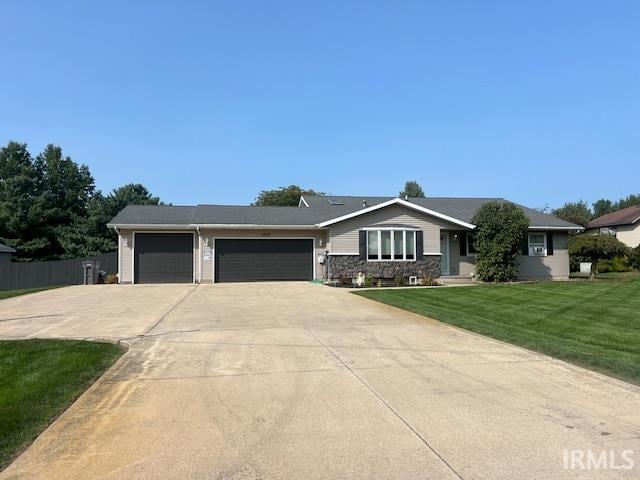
(444, 249)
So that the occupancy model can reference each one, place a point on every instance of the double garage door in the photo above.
(251, 260)
(168, 258)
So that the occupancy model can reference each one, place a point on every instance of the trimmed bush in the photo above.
(500, 230)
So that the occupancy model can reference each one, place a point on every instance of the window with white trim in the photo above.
(537, 244)
(386, 245)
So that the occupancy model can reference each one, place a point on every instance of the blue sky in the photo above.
(211, 102)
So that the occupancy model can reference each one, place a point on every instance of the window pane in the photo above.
(470, 246)
(372, 252)
(411, 245)
(398, 245)
(386, 244)
(536, 239)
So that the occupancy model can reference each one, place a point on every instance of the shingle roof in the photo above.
(460, 208)
(214, 215)
(321, 209)
(6, 249)
(626, 216)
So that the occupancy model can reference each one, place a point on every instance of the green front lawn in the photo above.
(39, 379)
(16, 293)
(593, 324)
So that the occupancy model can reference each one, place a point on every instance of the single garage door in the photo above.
(251, 260)
(163, 258)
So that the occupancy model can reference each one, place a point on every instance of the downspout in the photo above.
(199, 255)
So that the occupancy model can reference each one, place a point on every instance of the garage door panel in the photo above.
(164, 258)
(250, 260)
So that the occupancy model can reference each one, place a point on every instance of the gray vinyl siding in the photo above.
(554, 266)
(459, 265)
(344, 235)
(319, 237)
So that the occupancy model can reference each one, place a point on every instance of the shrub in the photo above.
(429, 281)
(399, 281)
(368, 280)
(596, 248)
(616, 264)
(345, 281)
(500, 230)
(111, 279)
(634, 258)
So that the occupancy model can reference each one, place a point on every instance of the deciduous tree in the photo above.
(283, 196)
(594, 248)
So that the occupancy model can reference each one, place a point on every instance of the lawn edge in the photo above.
(576, 366)
(125, 348)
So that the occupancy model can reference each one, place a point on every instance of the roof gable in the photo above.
(396, 201)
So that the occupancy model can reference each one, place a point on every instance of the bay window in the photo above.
(391, 244)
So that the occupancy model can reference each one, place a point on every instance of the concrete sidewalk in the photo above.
(295, 380)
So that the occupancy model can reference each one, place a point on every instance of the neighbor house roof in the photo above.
(626, 216)
(315, 211)
(6, 249)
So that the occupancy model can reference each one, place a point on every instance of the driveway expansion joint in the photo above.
(389, 407)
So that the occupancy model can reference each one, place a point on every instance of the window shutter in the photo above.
(363, 244)
(419, 245)
(524, 246)
(463, 244)
(549, 243)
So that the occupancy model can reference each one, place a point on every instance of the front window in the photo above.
(385, 245)
(471, 248)
(537, 243)
(372, 245)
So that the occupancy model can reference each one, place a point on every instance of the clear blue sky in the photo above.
(211, 102)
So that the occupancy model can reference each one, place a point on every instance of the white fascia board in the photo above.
(397, 201)
(195, 226)
(146, 226)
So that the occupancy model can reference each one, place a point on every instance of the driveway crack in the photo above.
(386, 404)
(166, 314)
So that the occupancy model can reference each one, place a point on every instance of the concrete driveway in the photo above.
(294, 380)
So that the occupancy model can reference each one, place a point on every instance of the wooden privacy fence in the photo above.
(18, 275)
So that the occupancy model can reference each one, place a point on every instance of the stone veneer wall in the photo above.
(348, 266)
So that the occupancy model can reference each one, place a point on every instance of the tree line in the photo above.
(50, 208)
(581, 213)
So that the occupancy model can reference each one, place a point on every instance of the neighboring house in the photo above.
(623, 224)
(325, 237)
(6, 253)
